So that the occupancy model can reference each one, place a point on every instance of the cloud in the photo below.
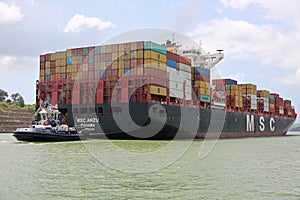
(10, 64)
(240, 4)
(268, 44)
(9, 14)
(277, 10)
(81, 22)
(292, 79)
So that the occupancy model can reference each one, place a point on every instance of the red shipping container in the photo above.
(184, 60)
(152, 72)
(54, 98)
(139, 45)
(48, 57)
(42, 58)
(172, 56)
(275, 95)
(133, 63)
(124, 95)
(127, 46)
(42, 66)
(140, 62)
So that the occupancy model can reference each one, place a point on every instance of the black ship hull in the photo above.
(161, 121)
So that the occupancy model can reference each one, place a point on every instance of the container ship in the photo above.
(144, 90)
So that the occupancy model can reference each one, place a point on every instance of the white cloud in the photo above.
(268, 44)
(81, 22)
(239, 77)
(240, 4)
(292, 79)
(278, 10)
(9, 13)
(11, 64)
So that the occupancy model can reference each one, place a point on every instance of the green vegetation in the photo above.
(15, 101)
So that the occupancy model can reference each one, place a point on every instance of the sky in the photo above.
(260, 39)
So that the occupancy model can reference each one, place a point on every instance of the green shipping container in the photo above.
(205, 98)
(155, 47)
(227, 87)
(272, 97)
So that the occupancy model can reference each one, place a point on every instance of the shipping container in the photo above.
(155, 56)
(171, 63)
(158, 90)
(155, 47)
(205, 98)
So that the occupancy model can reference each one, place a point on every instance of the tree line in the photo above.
(15, 98)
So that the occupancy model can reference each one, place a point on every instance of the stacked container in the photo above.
(272, 104)
(250, 96)
(234, 96)
(288, 110)
(202, 84)
(220, 86)
(278, 104)
(179, 71)
(263, 102)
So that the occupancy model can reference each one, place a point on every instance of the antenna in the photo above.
(173, 38)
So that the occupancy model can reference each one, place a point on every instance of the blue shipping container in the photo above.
(201, 70)
(205, 98)
(230, 82)
(69, 60)
(171, 63)
(97, 49)
(85, 51)
(91, 58)
(102, 73)
(126, 71)
(155, 47)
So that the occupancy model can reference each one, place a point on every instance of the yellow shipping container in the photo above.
(85, 67)
(42, 72)
(140, 71)
(52, 56)
(103, 66)
(121, 47)
(74, 68)
(115, 56)
(121, 64)
(74, 75)
(150, 63)
(158, 90)
(42, 78)
(63, 69)
(205, 91)
(69, 69)
(236, 87)
(57, 70)
(133, 46)
(140, 53)
(79, 75)
(155, 55)
(264, 93)
(69, 52)
(272, 105)
(109, 48)
(47, 64)
(115, 64)
(121, 72)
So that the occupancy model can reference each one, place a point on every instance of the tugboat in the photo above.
(48, 126)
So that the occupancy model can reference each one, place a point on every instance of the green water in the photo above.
(249, 168)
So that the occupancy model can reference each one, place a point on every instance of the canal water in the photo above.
(248, 168)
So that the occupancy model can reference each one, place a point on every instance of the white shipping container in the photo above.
(184, 74)
(188, 96)
(281, 112)
(266, 108)
(184, 67)
(176, 93)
